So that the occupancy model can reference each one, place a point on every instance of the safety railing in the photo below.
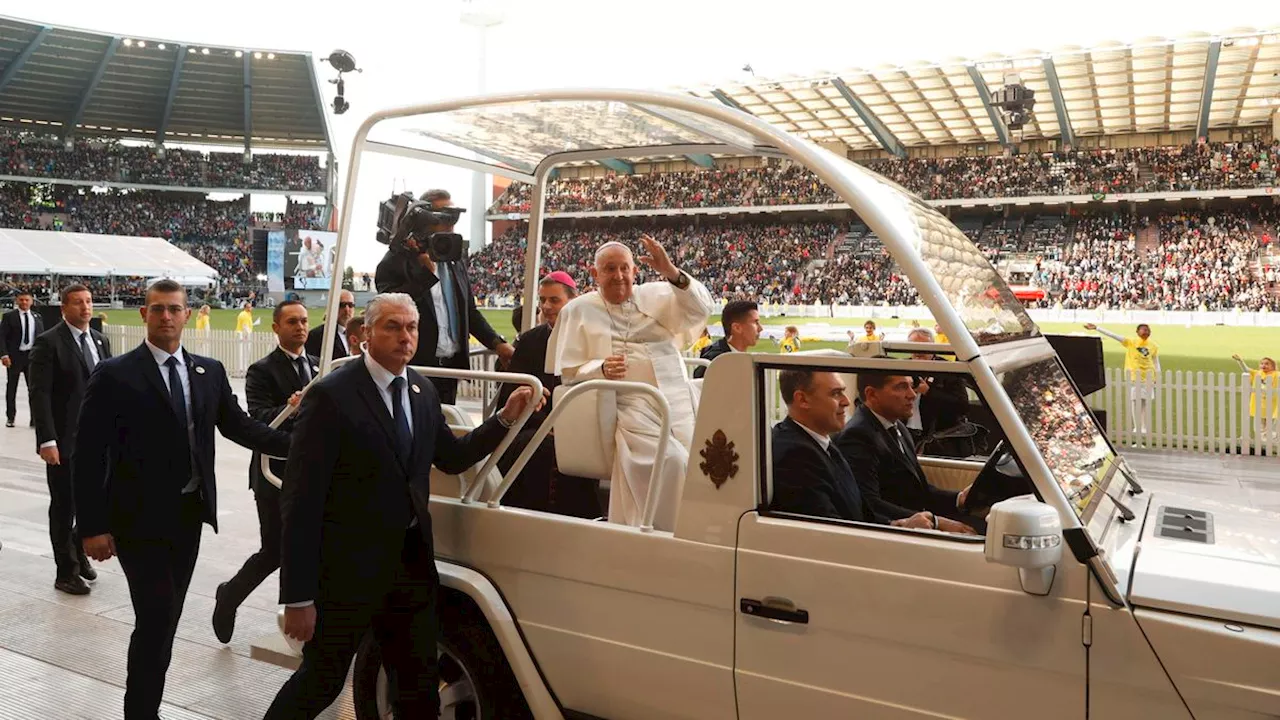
(572, 394)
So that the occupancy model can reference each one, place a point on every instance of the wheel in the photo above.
(476, 683)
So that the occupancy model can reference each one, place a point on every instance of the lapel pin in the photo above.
(315, 368)
(416, 388)
(199, 370)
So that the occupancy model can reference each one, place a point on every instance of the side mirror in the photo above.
(1025, 533)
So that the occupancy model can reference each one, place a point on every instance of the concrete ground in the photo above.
(64, 657)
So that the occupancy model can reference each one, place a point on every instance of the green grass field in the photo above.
(1181, 348)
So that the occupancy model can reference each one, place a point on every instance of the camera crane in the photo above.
(343, 62)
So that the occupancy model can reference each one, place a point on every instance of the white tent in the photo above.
(40, 252)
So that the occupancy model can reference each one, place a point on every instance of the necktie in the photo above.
(177, 398)
(450, 299)
(86, 352)
(26, 328)
(404, 439)
(304, 372)
(903, 444)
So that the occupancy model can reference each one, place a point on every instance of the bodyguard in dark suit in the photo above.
(18, 331)
(942, 401)
(341, 347)
(357, 551)
(878, 447)
(741, 322)
(810, 477)
(446, 306)
(270, 385)
(540, 486)
(144, 479)
(61, 361)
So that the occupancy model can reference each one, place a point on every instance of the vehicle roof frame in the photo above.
(894, 228)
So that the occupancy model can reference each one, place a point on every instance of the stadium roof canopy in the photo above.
(1196, 82)
(57, 79)
(40, 252)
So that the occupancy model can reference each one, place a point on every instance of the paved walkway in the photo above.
(64, 657)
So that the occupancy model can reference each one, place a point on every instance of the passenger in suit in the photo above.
(942, 402)
(540, 486)
(810, 477)
(741, 322)
(357, 547)
(18, 331)
(341, 345)
(446, 306)
(144, 477)
(270, 385)
(878, 448)
(61, 360)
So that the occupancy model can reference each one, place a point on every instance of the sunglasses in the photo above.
(346, 304)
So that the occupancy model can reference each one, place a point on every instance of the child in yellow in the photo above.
(790, 339)
(1263, 381)
(244, 321)
(202, 319)
(1142, 366)
(702, 342)
(870, 333)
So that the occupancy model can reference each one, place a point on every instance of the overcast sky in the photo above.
(418, 52)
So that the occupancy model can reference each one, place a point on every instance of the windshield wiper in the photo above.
(1134, 487)
(1125, 513)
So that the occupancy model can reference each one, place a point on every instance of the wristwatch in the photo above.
(682, 280)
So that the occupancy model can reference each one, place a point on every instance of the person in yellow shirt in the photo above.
(1264, 381)
(790, 339)
(941, 336)
(701, 343)
(870, 334)
(202, 319)
(244, 321)
(1142, 366)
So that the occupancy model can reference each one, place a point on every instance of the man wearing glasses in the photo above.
(346, 310)
(144, 477)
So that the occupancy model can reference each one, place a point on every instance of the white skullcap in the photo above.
(609, 245)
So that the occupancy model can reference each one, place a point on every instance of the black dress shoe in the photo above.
(8, 423)
(86, 570)
(224, 616)
(71, 586)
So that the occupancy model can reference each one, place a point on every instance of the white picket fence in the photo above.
(237, 352)
(1204, 412)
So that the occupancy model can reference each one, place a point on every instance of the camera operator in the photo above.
(424, 261)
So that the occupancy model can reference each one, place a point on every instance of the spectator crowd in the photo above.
(46, 156)
(1211, 166)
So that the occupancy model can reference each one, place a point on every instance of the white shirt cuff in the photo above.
(304, 603)
(49, 443)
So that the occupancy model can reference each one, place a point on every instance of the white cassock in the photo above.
(650, 330)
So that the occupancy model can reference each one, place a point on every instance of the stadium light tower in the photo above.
(482, 15)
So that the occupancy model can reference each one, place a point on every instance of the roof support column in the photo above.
(23, 57)
(621, 167)
(248, 104)
(173, 90)
(1206, 97)
(887, 139)
(984, 95)
(1059, 105)
(701, 160)
(722, 97)
(70, 128)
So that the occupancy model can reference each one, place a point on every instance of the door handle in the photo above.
(778, 609)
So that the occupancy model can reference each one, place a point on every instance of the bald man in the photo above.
(622, 331)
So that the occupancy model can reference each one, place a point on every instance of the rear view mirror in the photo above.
(1025, 533)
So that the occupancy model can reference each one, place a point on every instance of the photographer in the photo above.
(425, 261)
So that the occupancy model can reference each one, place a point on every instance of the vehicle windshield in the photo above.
(965, 277)
(1066, 433)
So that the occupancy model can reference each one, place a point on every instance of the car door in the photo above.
(841, 620)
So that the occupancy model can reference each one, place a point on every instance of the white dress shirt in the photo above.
(293, 361)
(823, 440)
(445, 346)
(892, 427)
(97, 358)
(184, 377)
(25, 316)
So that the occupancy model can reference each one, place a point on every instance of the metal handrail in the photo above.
(574, 392)
(491, 376)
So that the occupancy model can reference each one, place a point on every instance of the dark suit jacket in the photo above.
(895, 483)
(401, 272)
(131, 449)
(58, 379)
(347, 500)
(531, 358)
(808, 481)
(268, 383)
(711, 352)
(11, 330)
(315, 343)
(944, 405)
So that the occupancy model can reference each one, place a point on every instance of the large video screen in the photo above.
(308, 259)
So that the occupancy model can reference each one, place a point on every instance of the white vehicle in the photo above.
(1065, 610)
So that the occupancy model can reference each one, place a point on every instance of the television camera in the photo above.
(1016, 100)
(411, 226)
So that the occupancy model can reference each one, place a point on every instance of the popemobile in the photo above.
(1088, 597)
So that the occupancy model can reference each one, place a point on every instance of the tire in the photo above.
(476, 683)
